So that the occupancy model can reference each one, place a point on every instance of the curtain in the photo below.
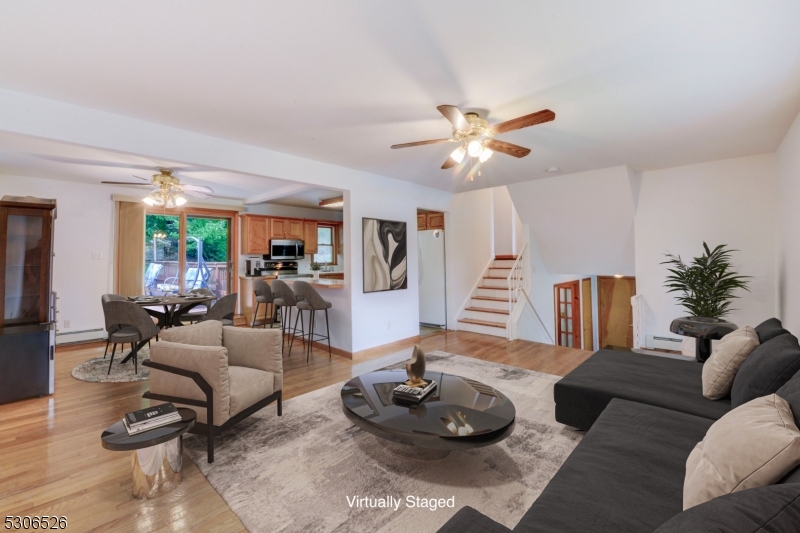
(130, 248)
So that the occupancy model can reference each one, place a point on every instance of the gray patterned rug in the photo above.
(96, 370)
(297, 472)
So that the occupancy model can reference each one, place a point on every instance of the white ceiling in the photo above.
(310, 197)
(650, 84)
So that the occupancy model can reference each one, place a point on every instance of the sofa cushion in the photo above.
(625, 475)
(248, 386)
(766, 369)
(754, 445)
(255, 348)
(208, 333)
(728, 355)
(769, 329)
(771, 509)
(790, 391)
(664, 382)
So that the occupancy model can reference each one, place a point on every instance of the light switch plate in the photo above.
(97, 255)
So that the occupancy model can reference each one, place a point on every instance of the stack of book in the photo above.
(406, 394)
(150, 418)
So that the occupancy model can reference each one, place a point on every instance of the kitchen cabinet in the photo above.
(422, 221)
(435, 220)
(294, 228)
(255, 230)
(285, 228)
(310, 236)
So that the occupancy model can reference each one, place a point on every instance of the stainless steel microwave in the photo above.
(286, 249)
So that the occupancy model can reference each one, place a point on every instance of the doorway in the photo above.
(431, 258)
(615, 313)
(567, 313)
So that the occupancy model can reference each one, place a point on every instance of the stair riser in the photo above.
(507, 263)
(489, 303)
(503, 293)
(488, 282)
(482, 315)
(486, 330)
(499, 272)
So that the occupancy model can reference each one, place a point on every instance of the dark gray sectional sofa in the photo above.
(644, 415)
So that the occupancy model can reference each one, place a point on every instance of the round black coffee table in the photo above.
(157, 454)
(460, 413)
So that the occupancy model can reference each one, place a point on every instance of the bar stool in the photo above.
(285, 298)
(264, 296)
(313, 302)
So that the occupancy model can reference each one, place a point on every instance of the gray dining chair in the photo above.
(264, 295)
(313, 302)
(110, 328)
(286, 300)
(136, 328)
(198, 312)
(223, 310)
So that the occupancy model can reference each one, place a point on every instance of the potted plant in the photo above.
(315, 268)
(706, 286)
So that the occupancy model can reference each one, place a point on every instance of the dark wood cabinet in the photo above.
(27, 302)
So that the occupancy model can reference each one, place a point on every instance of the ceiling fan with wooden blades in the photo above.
(476, 137)
(167, 189)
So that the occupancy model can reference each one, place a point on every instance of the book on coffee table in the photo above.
(406, 394)
(150, 418)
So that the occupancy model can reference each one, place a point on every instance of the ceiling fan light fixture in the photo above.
(485, 155)
(149, 200)
(458, 154)
(180, 200)
(474, 148)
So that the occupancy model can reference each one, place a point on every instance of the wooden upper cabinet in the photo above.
(294, 228)
(310, 236)
(435, 220)
(422, 221)
(277, 228)
(255, 231)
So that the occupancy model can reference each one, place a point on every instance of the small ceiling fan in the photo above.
(168, 189)
(477, 137)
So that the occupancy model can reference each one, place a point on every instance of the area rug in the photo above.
(96, 370)
(302, 471)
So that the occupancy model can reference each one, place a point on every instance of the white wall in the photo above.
(722, 202)
(788, 163)
(503, 221)
(468, 246)
(84, 225)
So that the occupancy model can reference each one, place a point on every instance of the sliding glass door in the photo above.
(208, 264)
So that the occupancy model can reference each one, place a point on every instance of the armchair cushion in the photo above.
(255, 348)
(211, 362)
(248, 386)
(203, 334)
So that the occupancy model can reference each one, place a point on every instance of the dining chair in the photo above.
(223, 310)
(110, 328)
(135, 327)
(198, 312)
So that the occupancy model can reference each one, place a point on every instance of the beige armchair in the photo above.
(229, 372)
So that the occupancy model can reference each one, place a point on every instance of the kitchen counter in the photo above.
(319, 283)
(246, 300)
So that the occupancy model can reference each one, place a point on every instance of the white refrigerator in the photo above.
(432, 308)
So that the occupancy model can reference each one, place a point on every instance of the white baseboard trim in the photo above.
(66, 337)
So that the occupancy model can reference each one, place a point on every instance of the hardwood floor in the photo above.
(52, 463)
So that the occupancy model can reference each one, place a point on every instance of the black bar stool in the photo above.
(313, 302)
(264, 296)
(286, 300)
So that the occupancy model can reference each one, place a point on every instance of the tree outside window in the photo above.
(326, 249)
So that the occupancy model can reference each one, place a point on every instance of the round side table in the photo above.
(157, 458)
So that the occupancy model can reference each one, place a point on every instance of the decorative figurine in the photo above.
(416, 369)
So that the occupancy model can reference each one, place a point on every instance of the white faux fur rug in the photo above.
(302, 471)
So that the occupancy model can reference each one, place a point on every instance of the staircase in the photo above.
(489, 307)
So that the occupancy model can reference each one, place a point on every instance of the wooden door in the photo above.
(586, 296)
(435, 220)
(568, 318)
(277, 228)
(615, 313)
(422, 222)
(294, 228)
(310, 236)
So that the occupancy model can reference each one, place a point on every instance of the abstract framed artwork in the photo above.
(385, 255)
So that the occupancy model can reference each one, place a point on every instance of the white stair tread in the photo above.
(483, 322)
(487, 310)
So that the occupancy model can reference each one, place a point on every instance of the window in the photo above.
(326, 246)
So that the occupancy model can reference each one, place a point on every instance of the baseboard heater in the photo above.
(664, 343)
(67, 337)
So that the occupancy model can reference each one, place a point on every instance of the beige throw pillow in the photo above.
(754, 445)
(728, 355)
